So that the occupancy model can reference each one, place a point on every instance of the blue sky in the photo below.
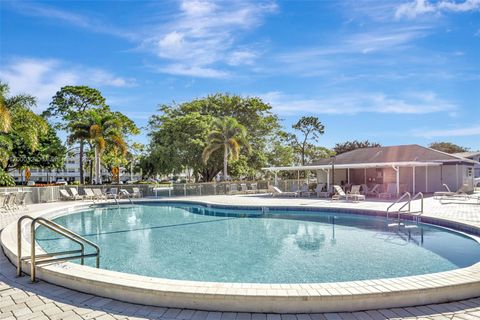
(394, 72)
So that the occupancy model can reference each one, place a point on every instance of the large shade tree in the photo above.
(179, 135)
(69, 105)
(228, 136)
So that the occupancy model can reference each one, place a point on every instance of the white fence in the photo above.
(51, 193)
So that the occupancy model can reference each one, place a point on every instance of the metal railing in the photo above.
(407, 203)
(54, 256)
(410, 201)
(406, 194)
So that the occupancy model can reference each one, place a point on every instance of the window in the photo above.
(469, 172)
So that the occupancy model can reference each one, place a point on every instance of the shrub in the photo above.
(6, 180)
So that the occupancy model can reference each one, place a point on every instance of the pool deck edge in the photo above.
(322, 297)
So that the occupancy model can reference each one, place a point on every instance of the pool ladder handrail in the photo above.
(408, 203)
(405, 195)
(123, 192)
(55, 227)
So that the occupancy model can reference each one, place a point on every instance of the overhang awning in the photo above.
(355, 166)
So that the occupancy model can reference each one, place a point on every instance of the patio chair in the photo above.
(75, 195)
(233, 188)
(253, 188)
(89, 194)
(391, 191)
(339, 193)
(461, 193)
(123, 193)
(12, 202)
(136, 193)
(64, 195)
(112, 193)
(371, 192)
(355, 194)
(277, 192)
(3, 202)
(319, 191)
(99, 194)
(243, 187)
(21, 199)
(305, 191)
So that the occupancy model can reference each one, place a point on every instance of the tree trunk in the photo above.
(98, 176)
(82, 178)
(225, 162)
(91, 171)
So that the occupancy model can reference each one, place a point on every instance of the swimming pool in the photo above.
(193, 242)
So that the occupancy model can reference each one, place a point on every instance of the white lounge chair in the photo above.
(305, 191)
(461, 192)
(253, 188)
(75, 194)
(136, 193)
(112, 193)
(355, 194)
(89, 194)
(319, 190)
(277, 192)
(3, 202)
(99, 194)
(339, 193)
(233, 188)
(64, 195)
(243, 187)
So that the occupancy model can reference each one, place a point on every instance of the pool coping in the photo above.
(252, 297)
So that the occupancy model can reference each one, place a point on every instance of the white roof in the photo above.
(355, 166)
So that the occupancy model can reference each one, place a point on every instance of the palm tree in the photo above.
(228, 134)
(17, 117)
(102, 128)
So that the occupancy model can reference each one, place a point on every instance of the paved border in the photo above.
(344, 296)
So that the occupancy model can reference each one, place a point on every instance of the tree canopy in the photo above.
(23, 128)
(448, 147)
(311, 129)
(68, 105)
(353, 145)
(179, 135)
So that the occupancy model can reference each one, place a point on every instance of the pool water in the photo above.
(192, 242)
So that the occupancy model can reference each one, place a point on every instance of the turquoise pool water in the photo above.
(192, 242)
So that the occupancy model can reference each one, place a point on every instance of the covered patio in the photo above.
(411, 176)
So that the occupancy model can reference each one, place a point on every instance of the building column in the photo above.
(426, 179)
(397, 170)
(365, 175)
(328, 179)
(413, 184)
(348, 175)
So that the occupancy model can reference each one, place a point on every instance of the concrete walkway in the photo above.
(20, 299)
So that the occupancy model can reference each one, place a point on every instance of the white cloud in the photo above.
(205, 33)
(44, 77)
(457, 132)
(81, 21)
(354, 103)
(421, 7)
(193, 71)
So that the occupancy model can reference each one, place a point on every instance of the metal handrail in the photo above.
(409, 201)
(80, 254)
(406, 194)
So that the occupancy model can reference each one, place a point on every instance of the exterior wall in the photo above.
(69, 173)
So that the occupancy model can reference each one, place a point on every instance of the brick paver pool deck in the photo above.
(19, 299)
